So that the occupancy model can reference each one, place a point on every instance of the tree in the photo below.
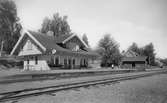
(58, 25)
(149, 52)
(134, 47)
(85, 39)
(109, 51)
(164, 61)
(46, 25)
(9, 26)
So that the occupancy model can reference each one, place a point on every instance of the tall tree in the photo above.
(58, 25)
(85, 39)
(150, 52)
(9, 26)
(134, 47)
(108, 48)
(46, 25)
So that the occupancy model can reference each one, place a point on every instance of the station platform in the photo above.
(46, 83)
(13, 76)
(14, 72)
(28, 76)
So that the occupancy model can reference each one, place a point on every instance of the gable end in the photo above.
(72, 36)
(21, 40)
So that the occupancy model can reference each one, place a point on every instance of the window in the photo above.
(36, 60)
(29, 45)
(75, 48)
(84, 62)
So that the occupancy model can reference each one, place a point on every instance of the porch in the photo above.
(68, 62)
(47, 62)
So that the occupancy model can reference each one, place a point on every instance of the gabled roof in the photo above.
(134, 59)
(23, 34)
(49, 43)
(67, 38)
(61, 38)
(130, 53)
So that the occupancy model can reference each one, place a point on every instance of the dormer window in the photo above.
(75, 48)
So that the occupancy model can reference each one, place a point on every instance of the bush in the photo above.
(10, 62)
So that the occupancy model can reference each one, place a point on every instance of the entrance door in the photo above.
(56, 61)
(133, 65)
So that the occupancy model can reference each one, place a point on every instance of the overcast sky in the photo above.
(140, 21)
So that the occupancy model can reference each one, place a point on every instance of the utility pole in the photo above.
(1, 48)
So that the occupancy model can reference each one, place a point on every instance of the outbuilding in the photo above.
(134, 62)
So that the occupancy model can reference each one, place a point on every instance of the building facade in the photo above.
(44, 51)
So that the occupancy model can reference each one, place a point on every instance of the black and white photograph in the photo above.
(83, 51)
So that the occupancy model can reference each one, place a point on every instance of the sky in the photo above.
(128, 21)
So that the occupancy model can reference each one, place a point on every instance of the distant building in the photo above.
(43, 51)
(133, 60)
(130, 53)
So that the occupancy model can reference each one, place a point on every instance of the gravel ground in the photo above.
(144, 90)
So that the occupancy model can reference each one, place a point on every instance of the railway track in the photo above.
(15, 95)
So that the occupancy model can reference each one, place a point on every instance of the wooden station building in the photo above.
(44, 51)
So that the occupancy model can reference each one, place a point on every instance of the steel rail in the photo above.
(15, 95)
